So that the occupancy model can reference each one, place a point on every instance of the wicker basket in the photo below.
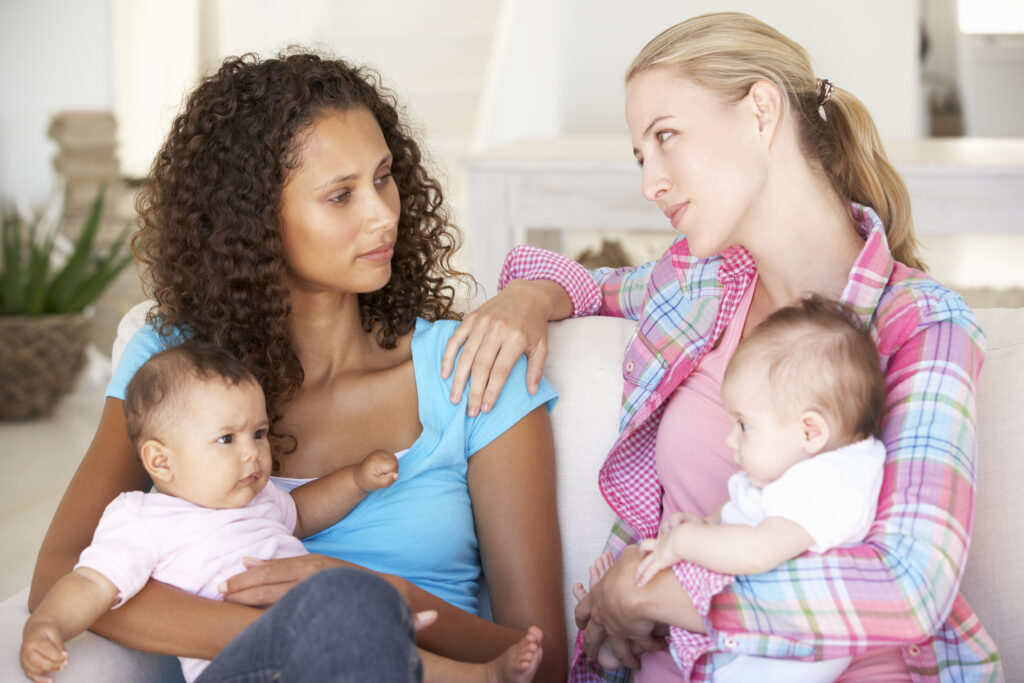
(40, 358)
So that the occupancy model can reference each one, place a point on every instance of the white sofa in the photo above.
(584, 366)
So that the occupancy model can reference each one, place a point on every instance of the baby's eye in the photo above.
(260, 433)
(663, 135)
(743, 426)
(227, 438)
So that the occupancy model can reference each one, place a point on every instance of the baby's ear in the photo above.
(156, 459)
(816, 431)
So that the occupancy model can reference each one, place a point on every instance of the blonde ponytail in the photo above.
(850, 149)
(728, 52)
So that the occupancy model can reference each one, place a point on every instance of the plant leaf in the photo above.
(95, 284)
(38, 269)
(73, 274)
(12, 275)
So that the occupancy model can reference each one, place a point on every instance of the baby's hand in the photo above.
(378, 470)
(674, 520)
(657, 554)
(42, 650)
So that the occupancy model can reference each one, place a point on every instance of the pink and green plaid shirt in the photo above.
(900, 586)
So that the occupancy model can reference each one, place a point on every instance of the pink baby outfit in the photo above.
(143, 535)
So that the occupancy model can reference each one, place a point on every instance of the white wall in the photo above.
(54, 55)
(872, 51)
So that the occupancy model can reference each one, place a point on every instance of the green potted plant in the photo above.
(44, 320)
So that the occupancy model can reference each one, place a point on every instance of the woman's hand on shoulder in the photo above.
(493, 336)
(266, 581)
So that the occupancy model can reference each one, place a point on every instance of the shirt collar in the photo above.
(872, 269)
(868, 277)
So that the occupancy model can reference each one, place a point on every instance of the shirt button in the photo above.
(731, 643)
(629, 366)
(914, 650)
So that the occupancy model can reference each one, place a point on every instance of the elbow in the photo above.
(925, 597)
(37, 591)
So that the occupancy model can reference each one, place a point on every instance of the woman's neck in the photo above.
(327, 335)
(802, 236)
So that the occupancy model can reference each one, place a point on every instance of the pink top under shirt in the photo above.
(692, 433)
(691, 438)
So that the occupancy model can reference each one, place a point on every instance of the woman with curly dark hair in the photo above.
(289, 219)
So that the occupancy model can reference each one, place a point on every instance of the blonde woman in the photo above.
(779, 187)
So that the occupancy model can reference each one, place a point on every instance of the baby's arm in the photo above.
(70, 607)
(322, 502)
(725, 548)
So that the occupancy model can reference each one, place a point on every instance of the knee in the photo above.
(352, 591)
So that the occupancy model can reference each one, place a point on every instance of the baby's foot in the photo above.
(519, 663)
(601, 566)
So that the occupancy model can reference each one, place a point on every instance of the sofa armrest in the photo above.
(91, 657)
(585, 366)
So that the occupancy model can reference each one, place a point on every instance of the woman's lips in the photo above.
(675, 213)
(382, 253)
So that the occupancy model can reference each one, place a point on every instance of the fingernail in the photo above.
(486, 407)
(472, 412)
(223, 587)
(454, 398)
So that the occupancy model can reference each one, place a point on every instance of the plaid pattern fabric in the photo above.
(900, 586)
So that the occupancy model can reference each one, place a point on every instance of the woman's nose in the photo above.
(654, 182)
(379, 214)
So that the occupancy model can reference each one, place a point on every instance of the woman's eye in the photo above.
(340, 198)
(384, 179)
(227, 438)
(260, 433)
(663, 135)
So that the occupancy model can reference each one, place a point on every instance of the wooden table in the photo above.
(534, 190)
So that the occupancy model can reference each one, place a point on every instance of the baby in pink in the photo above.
(197, 419)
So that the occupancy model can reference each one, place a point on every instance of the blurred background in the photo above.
(89, 88)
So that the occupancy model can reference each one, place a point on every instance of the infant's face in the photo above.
(764, 445)
(219, 452)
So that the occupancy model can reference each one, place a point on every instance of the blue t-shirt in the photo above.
(421, 527)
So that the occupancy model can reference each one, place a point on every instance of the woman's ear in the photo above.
(766, 101)
(156, 458)
(816, 431)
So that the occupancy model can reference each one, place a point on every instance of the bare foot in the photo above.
(519, 663)
(601, 566)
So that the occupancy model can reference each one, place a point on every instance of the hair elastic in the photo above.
(824, 94)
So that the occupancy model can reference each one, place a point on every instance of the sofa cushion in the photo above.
(91, 657)
(993, 580)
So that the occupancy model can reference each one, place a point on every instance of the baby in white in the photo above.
(805, 393)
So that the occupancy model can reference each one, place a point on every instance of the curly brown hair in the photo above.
(210, 215)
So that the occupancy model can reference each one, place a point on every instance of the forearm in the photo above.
(547, 296)
(578, 293)
(75, 602)
(323, 501)
(738, 548)
(167, 620)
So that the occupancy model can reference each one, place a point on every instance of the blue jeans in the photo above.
(338, 625)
